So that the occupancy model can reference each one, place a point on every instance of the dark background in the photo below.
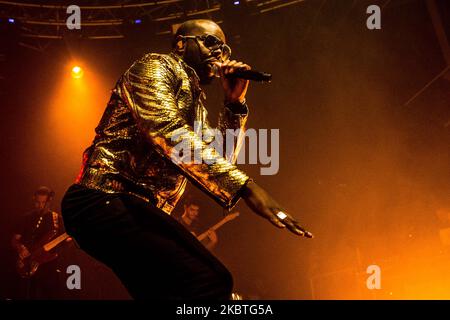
(363, 169)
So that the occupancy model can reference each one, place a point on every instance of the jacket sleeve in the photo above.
(231, 123)
(149, 89)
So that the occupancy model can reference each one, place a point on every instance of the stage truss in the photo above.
(39, 22)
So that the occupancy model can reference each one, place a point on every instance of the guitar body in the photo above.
(28, 266)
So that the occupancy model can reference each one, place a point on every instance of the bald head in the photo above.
(198, 27)
(189, 44)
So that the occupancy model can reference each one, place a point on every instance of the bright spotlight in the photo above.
(77, 72)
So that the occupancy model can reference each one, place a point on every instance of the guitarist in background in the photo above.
(39, 225)
(189, 219)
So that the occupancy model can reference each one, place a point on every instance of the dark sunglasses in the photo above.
(213, 43)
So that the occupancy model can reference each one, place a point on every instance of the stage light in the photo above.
(137, 21)
(236, 3)
(11, 20)
(77, 72)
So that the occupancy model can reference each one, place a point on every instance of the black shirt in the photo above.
(193, 227)
(35, 225)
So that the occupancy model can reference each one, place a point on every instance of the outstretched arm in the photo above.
(256, 197)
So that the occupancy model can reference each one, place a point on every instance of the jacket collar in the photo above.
(185, 65)
(194, 78)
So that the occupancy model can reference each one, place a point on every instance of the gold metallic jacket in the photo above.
(154, 103)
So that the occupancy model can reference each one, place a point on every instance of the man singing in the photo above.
(119, 208)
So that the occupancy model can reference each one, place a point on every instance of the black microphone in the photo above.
(246, 74)
(251, 75)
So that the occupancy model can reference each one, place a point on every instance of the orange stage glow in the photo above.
(74, 111)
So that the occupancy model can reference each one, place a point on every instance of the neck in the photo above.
(41, 211)
(183, 62)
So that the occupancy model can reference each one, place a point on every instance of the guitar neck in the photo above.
(50, 245)
(218, 225)
(213, 228)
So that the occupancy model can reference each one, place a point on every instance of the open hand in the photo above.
(264, 205)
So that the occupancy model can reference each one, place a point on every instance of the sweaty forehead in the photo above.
(208, 27)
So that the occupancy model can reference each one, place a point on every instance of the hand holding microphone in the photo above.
(244, 73)
(234, 88)
(235, 76)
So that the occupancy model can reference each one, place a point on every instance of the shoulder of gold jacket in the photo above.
(152, 108)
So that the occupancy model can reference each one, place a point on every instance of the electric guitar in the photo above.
(39, 254)
(226, 219)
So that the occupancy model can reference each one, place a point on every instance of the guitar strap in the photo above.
(55, 221)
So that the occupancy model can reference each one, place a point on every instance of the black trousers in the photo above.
(154, 256)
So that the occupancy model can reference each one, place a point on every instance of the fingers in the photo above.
(277, 222)
(307, 234)
(292, 224)
(212, 235)
(292, 227)
(231, 66)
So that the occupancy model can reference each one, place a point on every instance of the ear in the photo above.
(180, 44)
